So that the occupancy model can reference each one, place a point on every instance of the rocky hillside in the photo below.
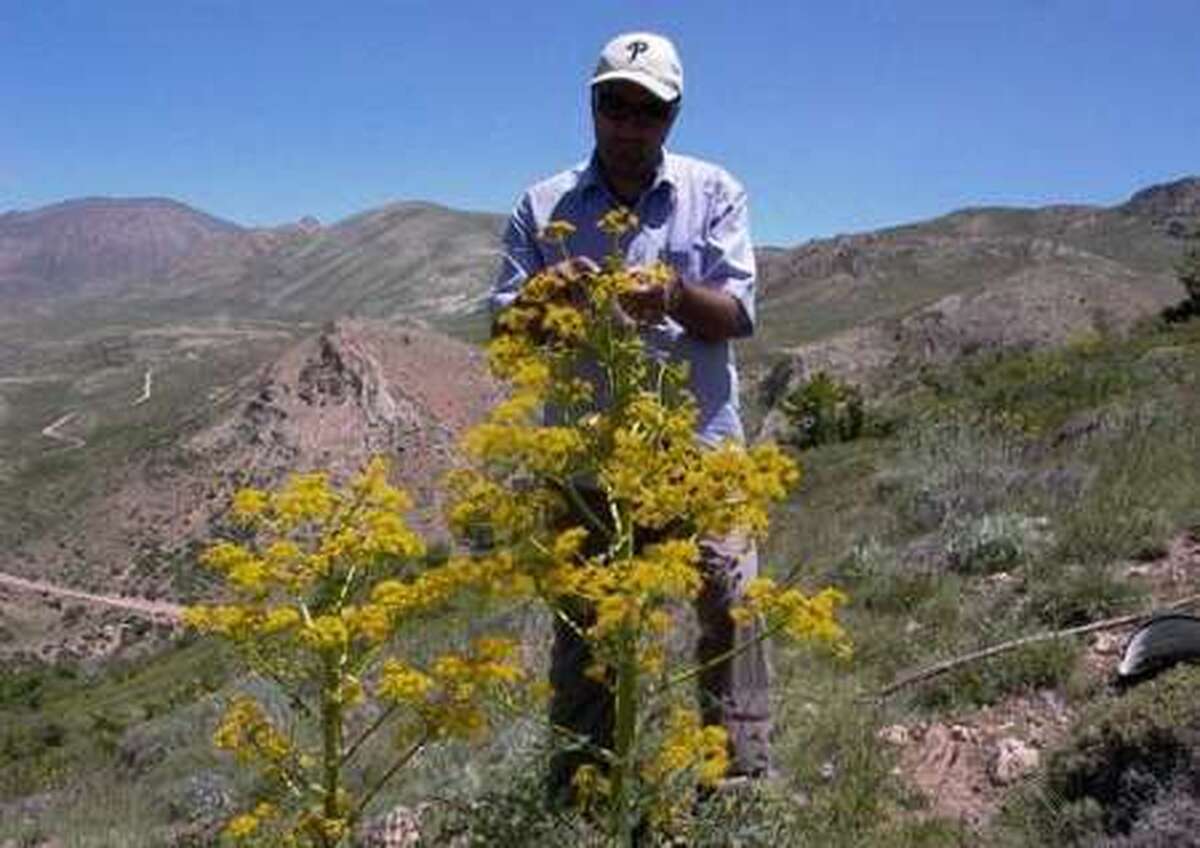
(973, 280)
(356, 389)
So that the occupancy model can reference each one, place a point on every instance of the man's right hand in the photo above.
(573, 271)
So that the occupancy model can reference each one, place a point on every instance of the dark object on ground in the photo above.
(1160, 643)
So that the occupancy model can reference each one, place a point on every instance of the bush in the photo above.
(1129, 774)
(1070, 595)
(1188, 272)
(823, 411)
(1041, 665)
(993, 541)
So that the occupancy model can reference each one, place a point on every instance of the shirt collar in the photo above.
(664, 176)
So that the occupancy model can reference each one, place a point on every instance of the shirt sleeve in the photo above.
(521, 256)
(728, 255)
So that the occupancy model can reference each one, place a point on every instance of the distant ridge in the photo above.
(420, 260)
(98, 245)
(873, 307)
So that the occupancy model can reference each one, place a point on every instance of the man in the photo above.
(691, 215)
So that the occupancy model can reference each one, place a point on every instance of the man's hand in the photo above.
(649, 300)
(573, 270)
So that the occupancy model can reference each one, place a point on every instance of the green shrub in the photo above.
(1130, 759)
(1040, 665)
(1070, 595)
(824, 410)
(1188, 272)
(956, 466)
(993, 541)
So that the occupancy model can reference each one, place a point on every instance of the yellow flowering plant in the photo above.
(599, 507)
(318, 594)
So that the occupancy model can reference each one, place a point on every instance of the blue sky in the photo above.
(839, 117)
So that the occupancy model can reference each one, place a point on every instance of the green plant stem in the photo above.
(625, 737)
(578, 502)
(624, 742)
(352, 749)
(331, 727)
(697, 670)
(402, 761)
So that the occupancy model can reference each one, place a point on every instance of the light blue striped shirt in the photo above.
(693, 217)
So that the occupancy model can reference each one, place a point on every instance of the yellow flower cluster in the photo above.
(247, 732)
(625, 593)
(618, 221)
(688, 746)
(242, 622)
(557, 231)
(509, 512)
(549, 451)
(242, 826)
(306, 497)
(450, 696)
(315, 604)
(317, 828)
(800, 616)
(339, 530)
(666, 477)
(492, 574)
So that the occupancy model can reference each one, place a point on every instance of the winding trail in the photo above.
(50, 431)
(159, 609)
(145, 396)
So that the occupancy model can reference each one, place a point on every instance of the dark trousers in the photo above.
(733, 692)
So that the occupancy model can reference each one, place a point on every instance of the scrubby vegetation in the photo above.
(1129, 776)
(1188, 271)
(1009, 499)
(822, 411)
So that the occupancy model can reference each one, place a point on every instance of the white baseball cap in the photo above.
(644, 58)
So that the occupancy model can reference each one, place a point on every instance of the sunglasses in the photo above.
(614, 107)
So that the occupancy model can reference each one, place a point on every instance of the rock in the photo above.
(963, 733)
(399, 828)
(1107, 644)
(999, 579)
(204, 798)
(894, 734)
(1012, 760)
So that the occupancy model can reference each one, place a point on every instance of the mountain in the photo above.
(404, 259)
(830, 284)
(96, 246)
(139, 258)
(858, 305)
(976, 279)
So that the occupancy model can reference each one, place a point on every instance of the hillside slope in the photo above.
(122, 507)
(863, 307)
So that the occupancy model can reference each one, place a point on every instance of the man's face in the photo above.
(631, 126)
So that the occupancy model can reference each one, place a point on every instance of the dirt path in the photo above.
(145, 396)
(50, 431)
(141, 605)
(29, 381)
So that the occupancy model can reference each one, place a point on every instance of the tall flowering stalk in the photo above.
(326, 582)
(611, 567)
